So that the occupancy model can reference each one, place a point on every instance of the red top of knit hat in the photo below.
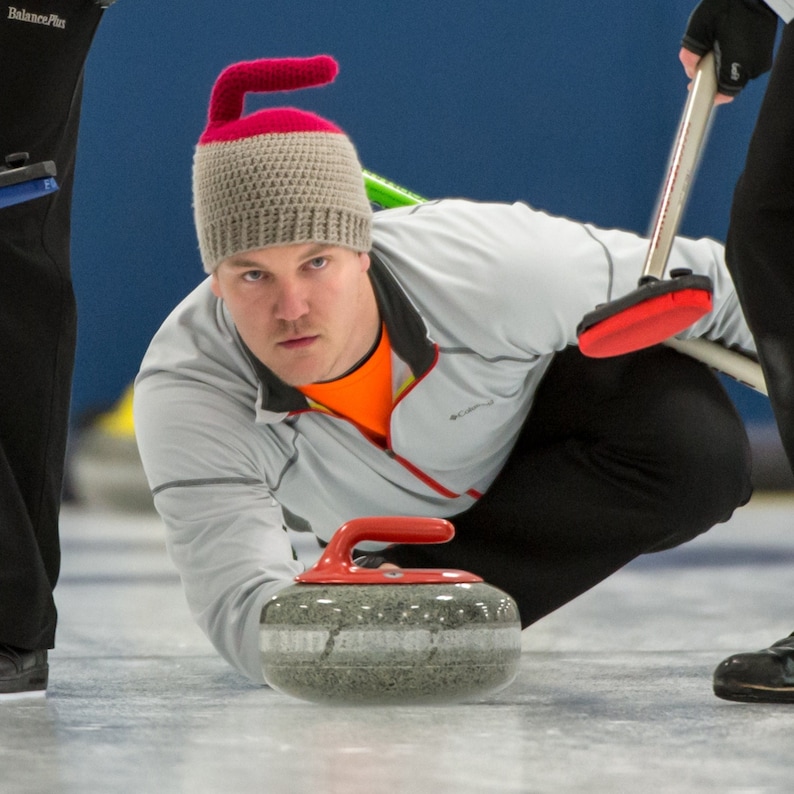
(262, 76)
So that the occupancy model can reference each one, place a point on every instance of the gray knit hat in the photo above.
(277, 176)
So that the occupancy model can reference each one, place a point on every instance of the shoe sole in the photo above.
(28, 694)
(31, 683)
(755, 694)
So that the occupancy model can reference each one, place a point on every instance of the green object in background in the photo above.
(386, 194)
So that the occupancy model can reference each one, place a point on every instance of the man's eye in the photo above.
(252, 275)
(317, 262)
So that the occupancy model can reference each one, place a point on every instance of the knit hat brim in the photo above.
(278, 190)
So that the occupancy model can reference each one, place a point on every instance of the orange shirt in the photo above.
(364, 396)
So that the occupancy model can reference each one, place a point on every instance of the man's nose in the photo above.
(292, 302)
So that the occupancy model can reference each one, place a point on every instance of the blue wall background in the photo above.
(571, 106)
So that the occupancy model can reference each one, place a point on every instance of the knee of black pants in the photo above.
(704, 464)
(660, 453)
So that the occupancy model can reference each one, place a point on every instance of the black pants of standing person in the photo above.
(760, 255)
(760, 243)
(619, 457)
(43, 48)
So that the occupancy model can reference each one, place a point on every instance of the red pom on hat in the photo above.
(265, 76)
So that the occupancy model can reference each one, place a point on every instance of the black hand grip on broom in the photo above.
(659, 309)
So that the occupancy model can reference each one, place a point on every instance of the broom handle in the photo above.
(684, 158)
(683, 162)
(737, 366)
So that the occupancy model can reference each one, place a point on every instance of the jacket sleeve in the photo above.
(224, 531)
(536, 275)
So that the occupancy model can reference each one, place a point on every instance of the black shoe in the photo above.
(22, 673)
(762, 677)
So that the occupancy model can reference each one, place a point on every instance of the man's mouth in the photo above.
(297, 342)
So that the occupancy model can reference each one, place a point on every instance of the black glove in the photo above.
(742, 35)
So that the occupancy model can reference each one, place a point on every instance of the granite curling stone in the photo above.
(351, 635)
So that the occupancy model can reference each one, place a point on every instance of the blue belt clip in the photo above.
(21, 182)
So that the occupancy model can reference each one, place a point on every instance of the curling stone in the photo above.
(351, 635)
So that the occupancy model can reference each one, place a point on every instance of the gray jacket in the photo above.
(477, 299)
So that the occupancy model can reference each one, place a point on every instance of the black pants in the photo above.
(41, 68)
(619, 457)
(760, 244)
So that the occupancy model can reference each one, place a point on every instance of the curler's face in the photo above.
(306, 311)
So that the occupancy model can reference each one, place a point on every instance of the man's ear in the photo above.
(365, 261)
(215, 285)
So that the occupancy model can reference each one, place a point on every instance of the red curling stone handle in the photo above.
(336, 565)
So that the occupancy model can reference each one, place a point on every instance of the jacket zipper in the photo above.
(415, 470)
